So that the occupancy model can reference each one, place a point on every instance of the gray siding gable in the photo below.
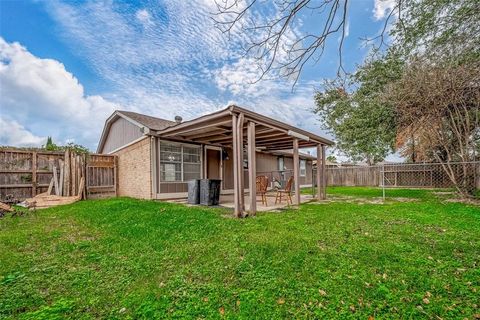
(121, 133)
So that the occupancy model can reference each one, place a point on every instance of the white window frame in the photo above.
(304, 169)
(281, 163)
(179, 144)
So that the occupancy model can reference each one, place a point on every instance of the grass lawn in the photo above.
(124, 258)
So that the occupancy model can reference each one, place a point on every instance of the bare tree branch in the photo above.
(270, 41)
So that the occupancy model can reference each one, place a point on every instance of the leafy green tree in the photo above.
(78, 148)
(362, 123)
(360, 114)
(50, 145)
(332, 158)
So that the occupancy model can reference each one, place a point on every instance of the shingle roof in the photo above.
(152, 123)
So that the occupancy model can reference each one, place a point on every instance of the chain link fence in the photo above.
(463, 177)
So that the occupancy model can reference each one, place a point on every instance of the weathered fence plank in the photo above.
(101, 176)
(24, 174)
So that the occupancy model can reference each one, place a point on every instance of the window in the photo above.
(281, 164)
(303, 168)
(179, 162)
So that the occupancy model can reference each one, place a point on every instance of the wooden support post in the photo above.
(296, 171)
(34, 174)
(236, 198)
(240, 163)
(324, 176)
(252, 168)
(319, 173)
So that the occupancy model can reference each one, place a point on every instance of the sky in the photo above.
(66, 66)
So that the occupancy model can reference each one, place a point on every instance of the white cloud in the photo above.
(382, 8)
(13, 133)
(144, 17)
(240, 77)
(182, 65)
(41, 94)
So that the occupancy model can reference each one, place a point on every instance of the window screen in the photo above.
(303, 168)
(179, 162)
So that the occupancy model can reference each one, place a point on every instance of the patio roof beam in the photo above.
(288, 146)
(226, 137)
(215, 123)
(209, 134)
(221, 139)
(280, 138)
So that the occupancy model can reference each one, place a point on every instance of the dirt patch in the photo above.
(359, 200)
(400, 199)
(474, 202)
(443, 193)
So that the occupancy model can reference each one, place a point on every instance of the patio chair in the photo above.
(287, 191)
(262, 185)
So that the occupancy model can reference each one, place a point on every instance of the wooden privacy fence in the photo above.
(418, 175)
(101, 173)
(25, 174)
(354, 176)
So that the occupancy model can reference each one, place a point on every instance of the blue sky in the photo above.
(65, 66)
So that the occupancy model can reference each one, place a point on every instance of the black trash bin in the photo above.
(209, 192)
(194, 191)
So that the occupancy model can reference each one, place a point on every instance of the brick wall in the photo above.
(134, 170)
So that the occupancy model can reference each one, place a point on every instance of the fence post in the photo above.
(115, 174)
(383, 181)
(34, 174)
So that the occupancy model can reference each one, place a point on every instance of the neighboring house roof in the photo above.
(353, 164)
(328, 163)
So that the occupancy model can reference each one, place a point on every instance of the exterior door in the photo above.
(214, 163)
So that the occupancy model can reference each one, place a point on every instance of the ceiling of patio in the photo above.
(216, 129)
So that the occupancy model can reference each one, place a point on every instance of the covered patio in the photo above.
(239, 129)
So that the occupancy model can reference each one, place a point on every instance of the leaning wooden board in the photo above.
(45, 200)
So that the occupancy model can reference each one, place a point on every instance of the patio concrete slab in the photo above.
(226, 201)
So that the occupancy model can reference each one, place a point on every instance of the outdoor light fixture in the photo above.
(225, 155)
(298, 135)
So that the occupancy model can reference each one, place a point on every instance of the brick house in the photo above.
(156, 157)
